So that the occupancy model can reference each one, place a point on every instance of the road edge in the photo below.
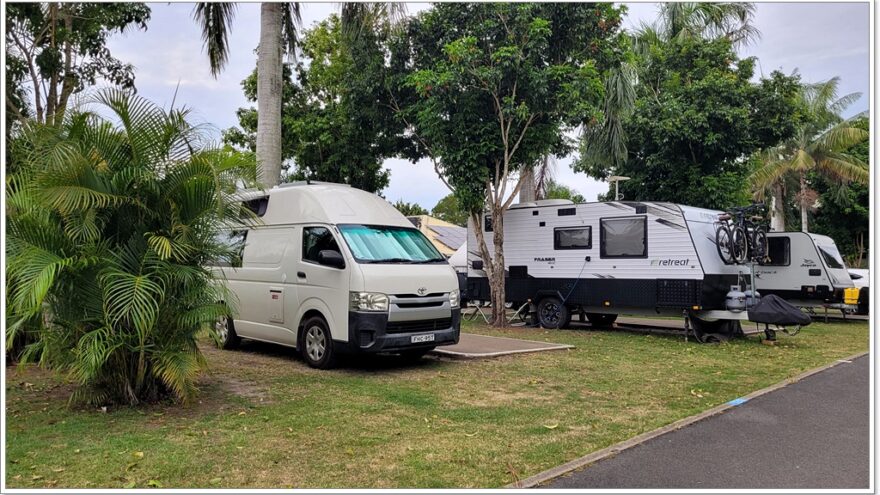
(615, 449)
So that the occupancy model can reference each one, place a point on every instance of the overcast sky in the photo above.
(819, 40)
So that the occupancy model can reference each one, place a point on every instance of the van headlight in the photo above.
(368, 301)
(454, 298)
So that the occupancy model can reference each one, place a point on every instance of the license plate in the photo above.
(415, 339)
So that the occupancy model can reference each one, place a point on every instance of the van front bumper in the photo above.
(372, 332)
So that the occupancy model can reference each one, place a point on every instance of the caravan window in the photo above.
(831, 256)
(779, 251)
(572, 238)
(623, 237)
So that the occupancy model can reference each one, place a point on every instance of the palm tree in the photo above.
(279, 23)
(819, 145)
(708, 20)
(111, 223)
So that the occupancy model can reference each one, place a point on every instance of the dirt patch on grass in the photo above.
(38, 384)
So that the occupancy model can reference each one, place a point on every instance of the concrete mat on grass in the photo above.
(483, 346)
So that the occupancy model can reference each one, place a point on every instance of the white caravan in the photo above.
(601, 259)
(331, 269)
(807, 271)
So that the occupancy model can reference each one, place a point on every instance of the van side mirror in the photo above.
(329, 257)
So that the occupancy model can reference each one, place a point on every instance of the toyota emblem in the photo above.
(422, 291)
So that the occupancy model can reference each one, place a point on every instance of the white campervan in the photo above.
(331, 269)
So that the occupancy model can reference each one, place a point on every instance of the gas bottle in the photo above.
(735, 300)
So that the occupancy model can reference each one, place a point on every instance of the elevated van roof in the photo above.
(325, 203)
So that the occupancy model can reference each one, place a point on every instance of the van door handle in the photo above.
(301, 274)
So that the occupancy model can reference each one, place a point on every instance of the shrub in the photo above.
(112, 220)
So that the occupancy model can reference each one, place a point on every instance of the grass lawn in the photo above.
(264, 419)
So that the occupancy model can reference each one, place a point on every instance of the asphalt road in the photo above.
(811, 434)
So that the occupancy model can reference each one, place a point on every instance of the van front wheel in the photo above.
(317, 344)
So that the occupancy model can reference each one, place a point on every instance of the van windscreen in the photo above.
(386, 244)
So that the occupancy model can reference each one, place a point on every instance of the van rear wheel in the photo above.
(317, 344)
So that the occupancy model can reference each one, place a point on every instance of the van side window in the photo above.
(779, 251)
(315, 240)
(572, 238)
(234, 242)
(625, 237)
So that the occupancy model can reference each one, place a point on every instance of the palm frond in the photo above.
(844, 167)
(215, 20)
(291, 22)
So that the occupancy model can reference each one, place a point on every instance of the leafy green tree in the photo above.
(495, 87)
(336, 123)
(698, 116)
(820, 144)
(409, 209)
(556, 190)
(604, 142)
(448, 210)
(55, 50)
(112, 222)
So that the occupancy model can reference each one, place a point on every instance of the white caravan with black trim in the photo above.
(602, 259)
(807, 271)
(331, 269)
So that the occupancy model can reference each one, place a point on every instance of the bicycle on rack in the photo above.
(741, 235)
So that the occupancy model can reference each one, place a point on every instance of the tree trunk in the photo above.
(777, 208)
(269, 70)
(490, 266)
(804, 205)
(499, 311)
(52, 91)
(528, 193)
(69, 81)
(860, 249)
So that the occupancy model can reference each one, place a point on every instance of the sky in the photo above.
(819, 40)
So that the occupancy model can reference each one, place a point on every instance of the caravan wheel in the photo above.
(714, 332)
(552, 313)
(601, 320)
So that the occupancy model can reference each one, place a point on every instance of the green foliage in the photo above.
(409, 209)
(491, 87)
(823, 144)
(556, 190)
(697, 118)
(448, 210)
(844, 212)
(336, 123)
(61, 48)
(111, 222)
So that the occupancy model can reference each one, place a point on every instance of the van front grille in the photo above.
(418, 325)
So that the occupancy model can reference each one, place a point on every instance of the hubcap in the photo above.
(316, 343)
(550, 313)
(222, 327)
